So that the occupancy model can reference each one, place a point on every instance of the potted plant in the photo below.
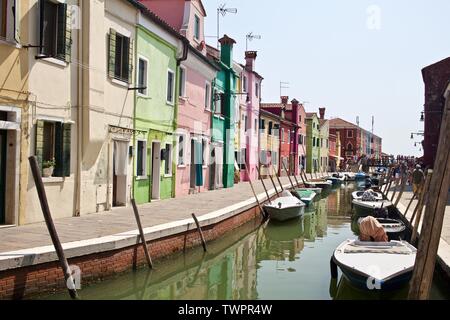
(47, 168)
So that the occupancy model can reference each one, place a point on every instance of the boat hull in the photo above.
(285, 214)
(362, 210)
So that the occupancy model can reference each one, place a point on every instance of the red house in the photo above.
(436, 78)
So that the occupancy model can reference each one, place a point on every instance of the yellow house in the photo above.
(269, 142)
(15, 104)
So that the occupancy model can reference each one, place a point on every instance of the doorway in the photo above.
(3, 143)
(120, 155)
(156, 170)
(193, 165)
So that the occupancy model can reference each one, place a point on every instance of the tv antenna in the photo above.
(223, 10)
(251, 37)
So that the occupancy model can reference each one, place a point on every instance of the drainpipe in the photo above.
(183, 57)
(80, 116)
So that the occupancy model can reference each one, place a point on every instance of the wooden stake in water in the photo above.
(263, 184)
(70, 283)
(199, 229)
(269, 169)
(142, 235)
(254, 192)
(417, 215)
(288, 174)
(430, 234)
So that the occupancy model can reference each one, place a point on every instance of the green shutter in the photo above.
(68, 35)
(130, 62)
(112, 53)
(39, 142)
(67, 138)
(61, 34)
(59, 166)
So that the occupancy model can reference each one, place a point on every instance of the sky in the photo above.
(357, 58)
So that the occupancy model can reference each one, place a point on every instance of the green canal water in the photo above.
(277, 261)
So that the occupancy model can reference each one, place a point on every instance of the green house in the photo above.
(312, 142)
(156, 101)
(223, 117)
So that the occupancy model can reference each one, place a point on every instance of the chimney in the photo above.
(322, 113)
(284, 99)
(226, 52)
(295, 110)
(250, 57)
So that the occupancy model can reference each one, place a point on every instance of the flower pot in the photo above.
(47, 172)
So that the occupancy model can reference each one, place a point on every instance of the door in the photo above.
(3, 136)
(156, 170)
(193, 166)
(120, 157)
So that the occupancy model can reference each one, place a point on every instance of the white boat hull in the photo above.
(285, 208)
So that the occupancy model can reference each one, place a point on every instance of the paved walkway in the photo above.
(96, 225)
(444, 245)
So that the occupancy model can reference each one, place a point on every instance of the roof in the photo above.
(436, 65)
(309, 115)
(266, 113)
(323, 122)
(276, 105)
(201, 6)
(338, 123)
(204, 58)
(156, 19)
(213, 52)
(254, 72)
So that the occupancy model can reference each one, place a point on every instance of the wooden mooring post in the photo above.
(263, 184)
(402, 189)
(430, 234)
(141, 234)
(269, 169)
(279, 181)
(70, 283)
(289, 177)
(417, 214)
(261, 210)
(199, 229)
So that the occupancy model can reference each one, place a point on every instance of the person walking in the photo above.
(417, 177)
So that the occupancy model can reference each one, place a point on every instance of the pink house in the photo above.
(197, 74)
(249, 101)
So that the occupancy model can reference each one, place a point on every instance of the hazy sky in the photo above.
(354, 57)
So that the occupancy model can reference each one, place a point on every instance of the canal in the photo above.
(277, 261)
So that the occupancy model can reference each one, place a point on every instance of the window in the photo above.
(181, 153)
(276, 130)
(9, 21)
(243, 155)
(321, 142)
(182, 82)
(262, 125)
(270, 128)
(282, 134)
(314, 141)
(142, 76)
(256, 89)
(170, 86)
(52, 146)
(300, 139)
(197, 27)
(274, 158)
(349, 134)
(120, 57)
(55, 34)
(141, 158)
(168, 160)
(256, 125)
(244, 84)
(218, 96)
(245, 120)
(208, 96)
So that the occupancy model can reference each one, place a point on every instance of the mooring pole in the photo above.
(141, 233)
(289, 177)
(417, 215)
(199, 229)
(254, 192)
(263, 184)
(279, 181)
(402, 189)
(430, 234)
(269, 169)
(296, 180)
(51, 227)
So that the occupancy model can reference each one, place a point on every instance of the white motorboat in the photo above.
(285, 207)
(358, 195)
(368, 208)
(376, 265)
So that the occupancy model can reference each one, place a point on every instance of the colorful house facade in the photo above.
(269, 142)
(223, 124)
(155, 109)
(312, 142)
(196, 75)
(324, 141)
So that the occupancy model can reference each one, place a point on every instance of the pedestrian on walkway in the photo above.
(418, 178)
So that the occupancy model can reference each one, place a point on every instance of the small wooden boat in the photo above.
(306, 196)
(336, 180)
(316, 190)
(369, 208)
(376, 265)
(286, 207)
(395, 229)
(349, 176)
(358, 195)
(323, 184)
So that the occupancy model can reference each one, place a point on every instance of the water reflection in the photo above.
(279, 261)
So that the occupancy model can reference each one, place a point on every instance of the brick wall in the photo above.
(47, 278)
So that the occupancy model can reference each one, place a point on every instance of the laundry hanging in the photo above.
(120, 157)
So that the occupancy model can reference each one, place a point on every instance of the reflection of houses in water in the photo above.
(282, 241)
